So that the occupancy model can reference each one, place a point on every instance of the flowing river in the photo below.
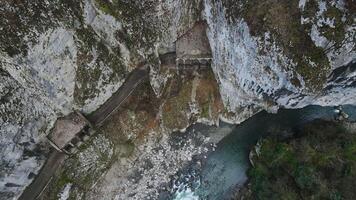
(225, 168)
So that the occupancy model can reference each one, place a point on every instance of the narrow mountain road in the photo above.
(56, 159)
(136, 77)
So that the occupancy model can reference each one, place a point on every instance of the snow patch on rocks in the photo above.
(315, 35)
(89, 159)
(345, 54)
(249, 78)
(318, 39)
(101, 23)
(106, 27)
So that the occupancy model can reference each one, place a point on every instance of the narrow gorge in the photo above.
(165, 99)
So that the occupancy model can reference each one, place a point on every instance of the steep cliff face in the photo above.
(136, 152)
(56, 56)
(23, 118)
(278, 53)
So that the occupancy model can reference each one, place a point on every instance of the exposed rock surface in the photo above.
(274, 53)
(24, 121)
(56, 56)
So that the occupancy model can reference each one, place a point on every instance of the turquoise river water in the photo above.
(225, 168)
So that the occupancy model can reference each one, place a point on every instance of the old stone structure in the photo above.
(194, 43)
(192, 50)
(69, 132)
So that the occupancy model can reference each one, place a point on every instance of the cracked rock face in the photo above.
(24, 121)
(277, 53)
(56, 56)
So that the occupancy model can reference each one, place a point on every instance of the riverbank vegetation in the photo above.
(318, 163)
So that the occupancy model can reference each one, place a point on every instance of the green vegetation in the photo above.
(63, 180)
(319, 163)
(35, 15)
(283, 20)
(135, 118)
(341, 19)
(176, 107)
(88, 77)
(183, 94)
(138, 32)
(83, 169)
(205, 109)
(208, 96)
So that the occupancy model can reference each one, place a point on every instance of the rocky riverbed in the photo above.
(220, 173)
(64, 55)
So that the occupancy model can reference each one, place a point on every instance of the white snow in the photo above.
(336, 96)
(244, 73)
(322, 7)
(43, 84)
(106, 90)
(337, 57)
(346, 53)
(315, 34)
(47, 77)
(90, 157)
(164, 159)
(340, 4)
(106, 27)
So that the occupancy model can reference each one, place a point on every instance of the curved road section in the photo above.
(97, 118)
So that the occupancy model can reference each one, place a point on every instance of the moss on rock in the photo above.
(83, 169)
(138, 31)
(176, 108)
(30, 18)
(283, 19)
(98, 65)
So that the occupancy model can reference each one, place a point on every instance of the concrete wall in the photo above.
(194, 43)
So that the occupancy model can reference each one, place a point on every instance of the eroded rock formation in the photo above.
(57, 56)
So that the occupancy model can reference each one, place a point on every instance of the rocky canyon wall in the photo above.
(57, 56)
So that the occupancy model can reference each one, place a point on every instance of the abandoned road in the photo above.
(54, 161)
(134, 79)
(56, 158)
